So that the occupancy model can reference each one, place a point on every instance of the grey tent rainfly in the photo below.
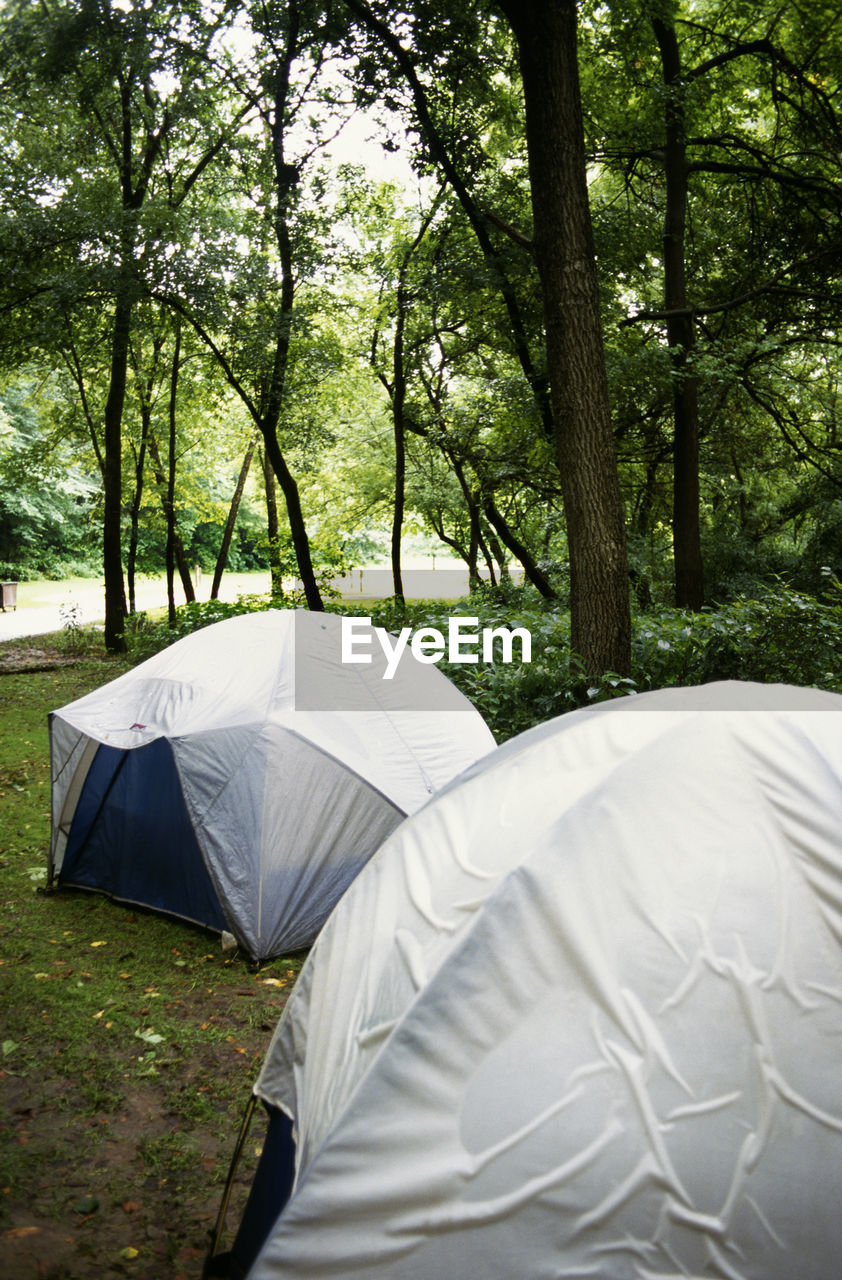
(596, 1029)
(243, 776)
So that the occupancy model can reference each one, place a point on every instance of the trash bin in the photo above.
(9, 595)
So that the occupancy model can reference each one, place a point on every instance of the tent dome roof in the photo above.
(581, 1014)
(286, 766)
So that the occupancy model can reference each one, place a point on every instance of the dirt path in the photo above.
(51, 606)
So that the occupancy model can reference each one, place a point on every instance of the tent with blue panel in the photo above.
(579, 1016)
(242, 777)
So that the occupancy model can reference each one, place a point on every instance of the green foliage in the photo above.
(145, 636)
(47, 500)
(763, 127)
(779, 635)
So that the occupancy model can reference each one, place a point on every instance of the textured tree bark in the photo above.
(564, 252)
(681, 336)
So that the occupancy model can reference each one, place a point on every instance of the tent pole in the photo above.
(232, 1173)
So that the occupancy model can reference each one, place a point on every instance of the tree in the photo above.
(726, 136)
(245, 306)
(124, 88)
(48, 497)
(687, 548)
(599, 598)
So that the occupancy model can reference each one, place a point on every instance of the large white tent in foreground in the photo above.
(243, 776)
(582, 1015)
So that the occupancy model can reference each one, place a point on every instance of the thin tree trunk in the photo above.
(230, 523)
(453, 543)
(134, 514)
(521, 552)
(170, 504)
(499, 555)
(162, 484)
(286, 177)
(398, 403)
(276, 576)
(564, 252)
(477, 542)
(145, 387)
(681, 336)
(486, 553)
(297, 526)
(115, 598)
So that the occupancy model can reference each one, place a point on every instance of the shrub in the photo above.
(778, 635)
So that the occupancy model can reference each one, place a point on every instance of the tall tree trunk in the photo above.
(115, 598)
(134, 514)
(276, 576)
(170, 504)
(398, 403)
(297, 526)
(163, 486)
(477, 540)
(681, 336)
(231, 521)
(564, 252)
(286, 178)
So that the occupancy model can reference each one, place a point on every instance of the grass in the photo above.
(129, 1042)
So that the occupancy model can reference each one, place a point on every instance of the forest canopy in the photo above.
(556, 286)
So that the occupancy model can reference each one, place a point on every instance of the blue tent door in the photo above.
(131, 836)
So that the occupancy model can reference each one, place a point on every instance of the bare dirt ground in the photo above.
(110, 1192)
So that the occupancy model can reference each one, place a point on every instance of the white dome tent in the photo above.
(203, 783)
(582, 1014)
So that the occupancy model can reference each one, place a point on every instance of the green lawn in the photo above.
(129, 1042)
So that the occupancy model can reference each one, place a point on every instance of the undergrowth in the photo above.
(777, 636)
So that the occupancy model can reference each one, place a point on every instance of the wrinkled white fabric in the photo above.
(581, 1016)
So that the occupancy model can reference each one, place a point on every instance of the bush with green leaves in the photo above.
(778, 636)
